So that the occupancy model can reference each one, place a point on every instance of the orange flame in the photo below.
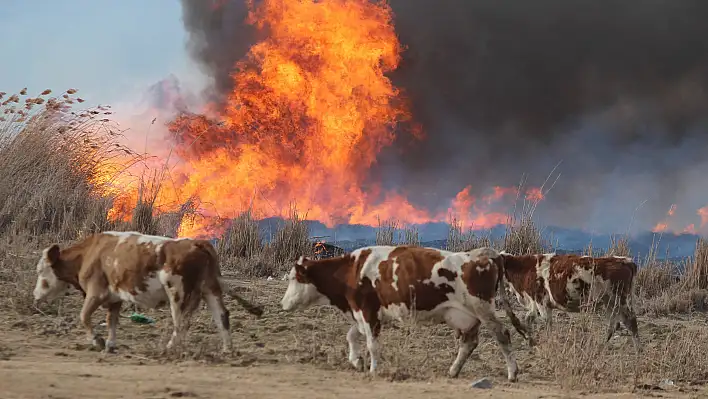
(310, 110)
(691, 228)
(664, 224)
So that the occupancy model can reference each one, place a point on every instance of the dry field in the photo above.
(52, 189)
(44, 355)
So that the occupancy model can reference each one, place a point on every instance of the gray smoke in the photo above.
(616, 89)
(218, 38)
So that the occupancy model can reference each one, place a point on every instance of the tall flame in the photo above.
(310, 110)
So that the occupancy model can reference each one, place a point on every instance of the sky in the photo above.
(110, 50)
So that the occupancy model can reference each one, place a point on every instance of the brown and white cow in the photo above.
(112, 267)
(378, 283)
(545, 282)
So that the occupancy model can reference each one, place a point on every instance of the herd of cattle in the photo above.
(369, 285)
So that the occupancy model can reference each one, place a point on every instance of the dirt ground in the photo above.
(43, 354)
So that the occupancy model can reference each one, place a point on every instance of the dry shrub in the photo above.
(386, 232)
(619, 246)
(458, 241)
(663, 287)
(144, 219)
(50, 167)
(243, 249)
(242, 239)
(409, 236)
(697, 273)
(291, 241)
(522, 236)
(389, 232)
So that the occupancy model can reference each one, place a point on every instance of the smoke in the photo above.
(615, 89)
(218, 38)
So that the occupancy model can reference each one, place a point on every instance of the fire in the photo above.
(664, 224)
(310, 110)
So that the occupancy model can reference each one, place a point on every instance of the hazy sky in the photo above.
(109, 49)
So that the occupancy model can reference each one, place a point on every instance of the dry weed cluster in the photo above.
(53, 188)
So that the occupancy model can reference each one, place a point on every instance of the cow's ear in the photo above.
(51, 254)
(300, 269)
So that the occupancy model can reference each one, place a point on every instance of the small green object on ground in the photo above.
(141, 318)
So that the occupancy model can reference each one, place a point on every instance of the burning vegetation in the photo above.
(310, 110)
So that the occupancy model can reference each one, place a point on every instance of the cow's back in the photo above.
(128, 260)
(191, 259)
(401, 275)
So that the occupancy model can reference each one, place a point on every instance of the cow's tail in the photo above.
(501, 289)
(249, 306)
(207, 247)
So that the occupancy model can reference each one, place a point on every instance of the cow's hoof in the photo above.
(110, 347)
(99, 342)
(358, 364)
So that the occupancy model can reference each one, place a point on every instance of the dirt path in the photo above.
(34, 369)
(44, 375)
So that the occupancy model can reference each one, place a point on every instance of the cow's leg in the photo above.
(355, 357)
(613, 318)
(371, 327)
(485, 313)
(175, 295)
(629, 319)
(215, 301)
(467, 328)
(185, 313)
(530, 319)
(112, 317)
(91, 303)
(545, 313)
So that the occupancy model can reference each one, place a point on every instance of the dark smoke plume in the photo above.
(218, 38)
(616, 89)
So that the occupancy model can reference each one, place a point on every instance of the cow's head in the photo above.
(49, 286)
(301, 291)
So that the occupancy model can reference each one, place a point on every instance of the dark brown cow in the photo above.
(545, 282)
(112, 267)
(377, 283)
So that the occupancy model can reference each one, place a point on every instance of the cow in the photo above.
(111, 267)
(380, 283)
(544, 282)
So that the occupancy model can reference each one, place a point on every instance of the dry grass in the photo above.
(242, 239)
(458, 241)
(619, 246)
(50, 161)
(664, 288)
(386, 232)
(389, 232)
(243, 249)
